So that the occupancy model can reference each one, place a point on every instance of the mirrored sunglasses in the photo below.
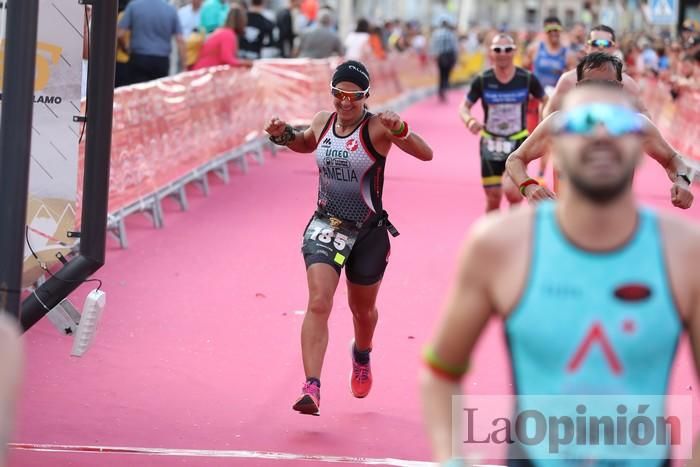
(352, 96)
(617, 120)
(601, 43)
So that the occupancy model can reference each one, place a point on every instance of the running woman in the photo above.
(504, 91)
(594, 291)
(606, 69)
(349, 227)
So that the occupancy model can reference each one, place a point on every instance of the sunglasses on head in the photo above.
(600, 82)
(503, 49)
(601, 43)
(553, 28)
(617, 120)
(352, 96)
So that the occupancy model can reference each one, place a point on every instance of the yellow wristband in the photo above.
(445, 369)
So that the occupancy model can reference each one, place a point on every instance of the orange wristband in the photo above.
(526, 183)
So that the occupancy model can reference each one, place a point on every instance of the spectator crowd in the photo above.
(208, 33)
(156, 38)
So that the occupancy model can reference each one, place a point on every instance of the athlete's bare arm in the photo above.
(662, 152)
(535, 146)
(492, 271)
(10, 374)
(682, 245)
(566, 83)
(380, 130)
(529, 56)
(465, 113)
(302, 141)
(572, 60)
(631, 86)
(467, 312)
(540, 108)
(544, 161)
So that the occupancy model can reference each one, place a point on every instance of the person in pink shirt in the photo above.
(221, 47)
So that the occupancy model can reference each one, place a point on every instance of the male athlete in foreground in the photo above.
(592, 266)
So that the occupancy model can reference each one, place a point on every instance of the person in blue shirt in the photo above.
(548, 58)
(152, 24)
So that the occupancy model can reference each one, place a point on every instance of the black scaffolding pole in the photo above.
(15, 145)
(100, 97)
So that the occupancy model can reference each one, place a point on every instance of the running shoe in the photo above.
(310, 400)
(360, 377)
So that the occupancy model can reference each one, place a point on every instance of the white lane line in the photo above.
(218, 453)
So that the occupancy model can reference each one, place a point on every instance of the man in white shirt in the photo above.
(190, 16)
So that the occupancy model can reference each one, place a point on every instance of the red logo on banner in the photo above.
(596, 335)
(352, 145)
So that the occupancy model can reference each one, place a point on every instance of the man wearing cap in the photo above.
(548, 57)
(548, 60)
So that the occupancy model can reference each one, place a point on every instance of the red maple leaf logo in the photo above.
(352, 145)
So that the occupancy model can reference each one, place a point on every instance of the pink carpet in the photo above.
(199, 345)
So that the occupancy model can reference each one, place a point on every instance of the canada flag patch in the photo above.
(352, 145)
(633, 292)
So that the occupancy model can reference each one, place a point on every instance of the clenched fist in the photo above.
(681, 197)
(275, 127)
(474, 126)
(390, 120)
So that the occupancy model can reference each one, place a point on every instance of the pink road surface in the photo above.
(199, 349)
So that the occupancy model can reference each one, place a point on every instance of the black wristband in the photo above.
(288, 135)
(684, 177)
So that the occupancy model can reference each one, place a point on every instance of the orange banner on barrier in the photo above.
(164, 129)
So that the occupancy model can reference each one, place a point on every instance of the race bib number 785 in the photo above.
(329, 235)
(331, 238)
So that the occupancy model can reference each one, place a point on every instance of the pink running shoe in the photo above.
(360, 377)
(310, 400)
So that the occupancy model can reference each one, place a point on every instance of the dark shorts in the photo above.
(364, 252)
(492, 173)
(493, 163)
